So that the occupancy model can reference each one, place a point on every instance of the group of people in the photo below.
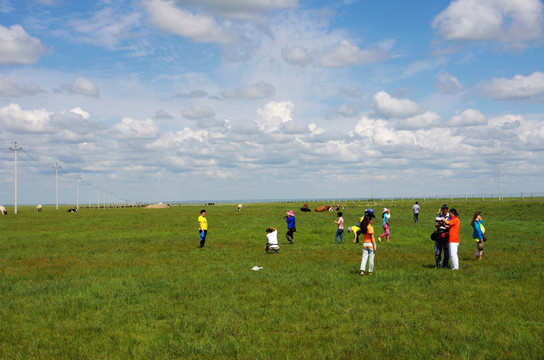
(446, 235)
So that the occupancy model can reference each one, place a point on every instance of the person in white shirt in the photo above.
(416, 209)
(272, 240)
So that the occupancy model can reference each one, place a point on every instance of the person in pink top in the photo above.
(340, 229)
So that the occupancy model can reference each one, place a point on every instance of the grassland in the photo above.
(132, 284)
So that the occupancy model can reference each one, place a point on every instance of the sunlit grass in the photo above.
(132, 283)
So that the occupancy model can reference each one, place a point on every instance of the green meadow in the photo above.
(131, 283)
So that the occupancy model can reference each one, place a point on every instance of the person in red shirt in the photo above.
(454, 225)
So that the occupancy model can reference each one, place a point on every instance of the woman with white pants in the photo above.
(454, 225)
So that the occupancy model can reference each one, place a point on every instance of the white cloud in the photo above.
(82, 86)
(260, 90)
(448, 84)
(344, 110)
(130, 128)
(10, 89)
(503, 20)
(198, 112)
(426, 120)
(296, 55)
(106, 28)
(388, 106)
(243, 9)
(346, 54)
(167, 17)
(273, 115)
(15, 119)
(519, 87)
(5, 7)
(84, 114)
(162, 114)
(17, 47)
(468, 117)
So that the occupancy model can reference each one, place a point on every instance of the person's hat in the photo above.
(445, 206)
(385, 210)
(349, 229)
(290, 213)
(370, 212)
(454, 212)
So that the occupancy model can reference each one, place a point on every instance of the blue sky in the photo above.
(163, 100)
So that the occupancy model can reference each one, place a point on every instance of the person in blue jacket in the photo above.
(478, 234)
(290, 220)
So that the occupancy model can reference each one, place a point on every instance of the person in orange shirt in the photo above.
(454, 225)
(369, 243)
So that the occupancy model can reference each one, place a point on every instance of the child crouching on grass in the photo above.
(369, 243)
(272, 240)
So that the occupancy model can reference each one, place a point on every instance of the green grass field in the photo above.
(133, 284)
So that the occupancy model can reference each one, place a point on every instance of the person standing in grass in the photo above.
(454, 224)
(203, 227)
(441, 244)
(340, 227)
(369, 243)
(416, 209)
(386, 214)
(291, 228)
(478, 234)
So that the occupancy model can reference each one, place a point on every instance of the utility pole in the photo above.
(499, 173)
(15, 148)
(90, 205)
(77, 191)
(98, 197)
(372, 179)
(57, 167)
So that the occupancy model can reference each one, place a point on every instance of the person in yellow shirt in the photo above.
(356, 232)
(203, 227)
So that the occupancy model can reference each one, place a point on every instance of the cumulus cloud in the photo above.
(468, 117)
(388, 106)
(82, 86)
(17, 47)
(14, 118)
(501, 20)
(167, 17)
(8, 88)
(79, 111)
(519, 87)
(426, 120)
(448, 84)
(261, 90)
(346, 54)
(198, 112)
(273, 115)
(130, 128)
(296, 55)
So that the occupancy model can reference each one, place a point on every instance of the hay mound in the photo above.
(157, 206)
